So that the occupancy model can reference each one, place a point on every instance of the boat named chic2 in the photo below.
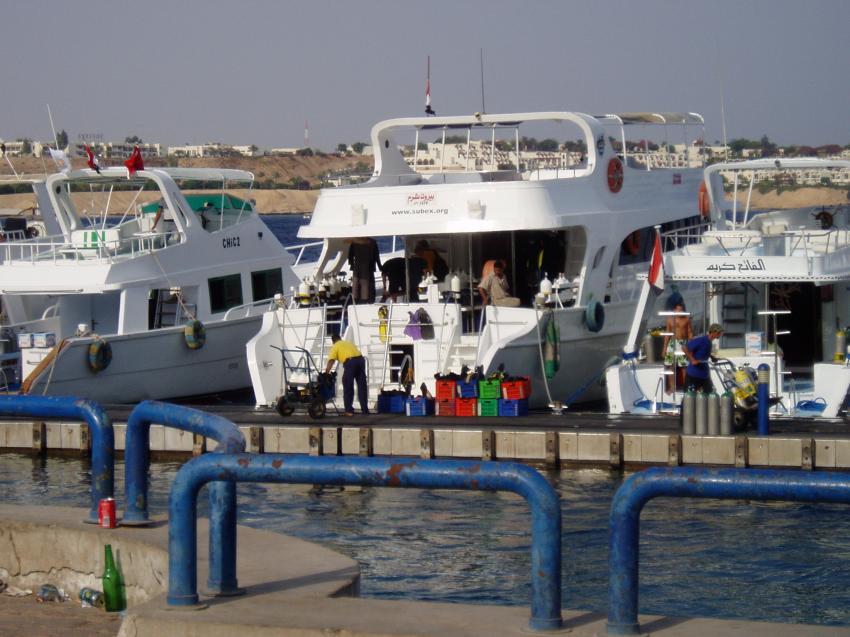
(153, 297)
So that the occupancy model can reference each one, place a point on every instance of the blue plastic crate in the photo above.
(467, 389)
(419, 406)
(391, 403)
(513, 407)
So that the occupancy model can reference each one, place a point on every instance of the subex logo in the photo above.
(230, 242)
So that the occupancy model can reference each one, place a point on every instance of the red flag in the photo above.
(92, 160)
(428, 109)
(656, 266)
(135, 162)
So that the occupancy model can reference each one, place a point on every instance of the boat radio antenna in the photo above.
(722, 99)
(481, 57)
(52, 127)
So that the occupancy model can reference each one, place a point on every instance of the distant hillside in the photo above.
(272, 175)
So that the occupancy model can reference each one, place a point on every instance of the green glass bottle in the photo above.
(113, 584)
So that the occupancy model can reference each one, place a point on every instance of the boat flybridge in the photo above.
(141, 291)
(776, 279)
(17, 224)
(573, 224)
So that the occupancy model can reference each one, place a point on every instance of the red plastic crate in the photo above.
(445, 407)
(466, 407)
(446, 389)
(516, 389)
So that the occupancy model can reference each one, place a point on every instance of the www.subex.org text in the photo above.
(421, 211)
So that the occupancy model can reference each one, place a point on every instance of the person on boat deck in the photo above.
(427, 253)
(208, 208)
(698, 351)
(682, 331)
(363, 257)
(392, 273)
(354, 369)
(494, 287)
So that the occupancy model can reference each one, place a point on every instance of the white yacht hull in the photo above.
(152, 365)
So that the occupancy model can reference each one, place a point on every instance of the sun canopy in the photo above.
(656, 118)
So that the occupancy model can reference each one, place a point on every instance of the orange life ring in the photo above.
(615, 174)
(702, 200)
(632, 243)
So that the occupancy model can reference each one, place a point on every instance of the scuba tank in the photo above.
(546, 287)
(745, 386)
(304, 293)
(701, 415)
(726, 414)
(688, 415)
(713, 414)
(840, 346)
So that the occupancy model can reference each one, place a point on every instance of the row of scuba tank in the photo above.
(707, 414)
(329, 289)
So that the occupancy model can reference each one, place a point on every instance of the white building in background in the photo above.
(115, 150)
(214, 149)
(15, 148)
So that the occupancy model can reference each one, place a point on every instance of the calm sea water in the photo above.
(777, 562)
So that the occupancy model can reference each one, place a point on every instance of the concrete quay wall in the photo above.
(553, 448)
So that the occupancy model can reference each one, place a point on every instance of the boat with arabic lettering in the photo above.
(573, 226)
(777, 280)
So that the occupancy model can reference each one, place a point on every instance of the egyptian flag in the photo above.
(656, 266)
(428, 109)
(135, 162)
(91, 160)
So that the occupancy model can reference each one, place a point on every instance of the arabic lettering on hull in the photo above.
(744, 265)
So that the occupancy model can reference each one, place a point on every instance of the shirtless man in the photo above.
(682, 331)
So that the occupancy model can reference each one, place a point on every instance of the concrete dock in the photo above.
(540, 439)
(292, 588)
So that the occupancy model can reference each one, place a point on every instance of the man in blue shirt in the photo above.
(698, 351)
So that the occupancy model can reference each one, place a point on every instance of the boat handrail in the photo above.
(50, 311)
(390, 323)
(301, 247)
(248, 307)
(58, 249)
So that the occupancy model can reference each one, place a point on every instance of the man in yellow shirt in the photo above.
(354, 369)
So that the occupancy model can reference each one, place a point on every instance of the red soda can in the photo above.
(106, 513)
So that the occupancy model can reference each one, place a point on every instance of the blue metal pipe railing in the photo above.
(387, 472)
(100, 429)
(682, 482)
(222, 572)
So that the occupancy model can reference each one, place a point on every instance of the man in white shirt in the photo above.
(494, 288)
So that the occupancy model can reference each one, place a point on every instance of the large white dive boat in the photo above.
(148, 306)
(582, 220)
(777, 280)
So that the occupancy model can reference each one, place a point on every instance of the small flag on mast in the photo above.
(135, 162)
(428, 109)
(91, 160)
(656, 266)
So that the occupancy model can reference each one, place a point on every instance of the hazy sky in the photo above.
(251, 71)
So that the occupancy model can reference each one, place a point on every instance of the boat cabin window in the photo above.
(266, 283)
(225, 292)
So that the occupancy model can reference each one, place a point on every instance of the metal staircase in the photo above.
(734, 306)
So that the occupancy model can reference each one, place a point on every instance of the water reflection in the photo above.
(770, 561)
